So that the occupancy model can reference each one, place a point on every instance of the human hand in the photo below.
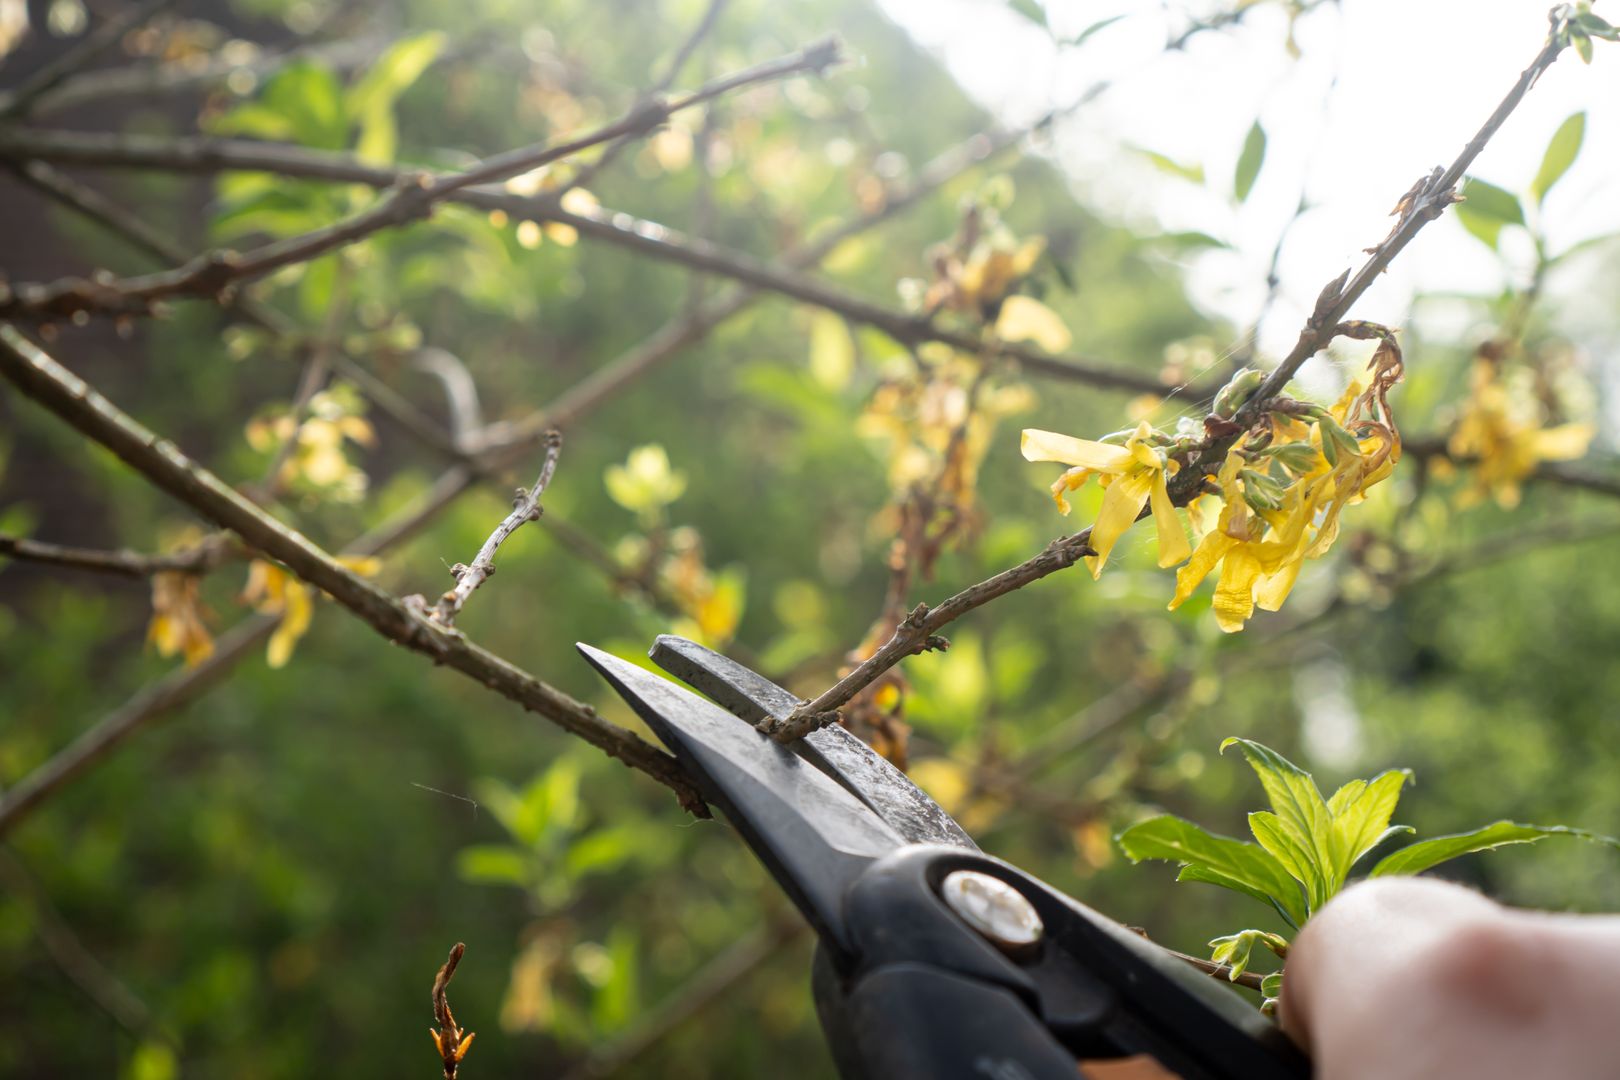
(1413, 977)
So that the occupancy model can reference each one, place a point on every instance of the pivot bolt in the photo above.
(999, 912)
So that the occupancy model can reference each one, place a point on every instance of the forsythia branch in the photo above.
(74, 401)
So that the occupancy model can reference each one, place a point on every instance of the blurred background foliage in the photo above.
(275, 874)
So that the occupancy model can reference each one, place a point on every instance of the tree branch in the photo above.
(1427, 199)
(199, 558)
(411, 197)
(86, 49)
(155, 245)
(641, 236)
(526, 508)
(74, 401)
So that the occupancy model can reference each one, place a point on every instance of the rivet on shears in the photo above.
(995, 909)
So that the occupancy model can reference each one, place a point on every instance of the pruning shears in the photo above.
(935, 960)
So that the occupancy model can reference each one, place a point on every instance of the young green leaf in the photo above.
(1560, 155)
(370, 102)
(1294, 852)
(1294, 797)
(1361, 820)
(1234, 950)
(1249, 161)
(1418, 857)
(1218, 860)
(1486, 208)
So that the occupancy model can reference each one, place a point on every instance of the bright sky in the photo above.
(1384, 91)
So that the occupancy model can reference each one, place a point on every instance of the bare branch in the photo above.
(525, 508)
(411, 197)
(199, 558)
(74, 401)
(72, 958)
(1422, 204)
(89, 47)
(641, 236)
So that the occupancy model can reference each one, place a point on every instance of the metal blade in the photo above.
(812, 835)
(834, 750)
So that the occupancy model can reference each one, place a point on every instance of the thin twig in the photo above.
(525, 508)
(1425, 202)
(108, 992)
(198, 558)
(613, 149)
(76, 402)
(451, 1040)
(411, 197)
(89, 47)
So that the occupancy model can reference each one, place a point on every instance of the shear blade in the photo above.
(813, 836)
(863, 772)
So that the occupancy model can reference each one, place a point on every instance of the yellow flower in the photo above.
(1504, 442)
(1134, 474)
(273, 591)
(1260, 549)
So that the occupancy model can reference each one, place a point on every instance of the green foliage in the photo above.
(1249, 161)
(1560, 155)
(1486, 208)
(1308, 844)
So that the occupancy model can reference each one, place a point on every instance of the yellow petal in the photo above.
(1024, 318)
(1119, 509)
(1563, 443)
(1038, 445)
(1211, 550)
(293, 625)
(1071, 480)
(1173, 546)
(1273, 589)
(1234, 596)
(364, 565)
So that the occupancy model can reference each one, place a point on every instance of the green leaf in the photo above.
(370, 102)
(1085, 35)
(1418, 857)
(393, 74)
(1217, 860)
(1298, 806)
(494, 864)
(1234, 950)
(1597, 26)
(309, 97)
(1582, 43)
(1249, 161)
(1361, 820)
(1193, 173)
(1486, 209)
(1032, 11)
(1293, 853)
(1560, 155)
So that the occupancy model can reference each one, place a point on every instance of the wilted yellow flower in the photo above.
(177, 619)
(1502, 440)
(1134, 474)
